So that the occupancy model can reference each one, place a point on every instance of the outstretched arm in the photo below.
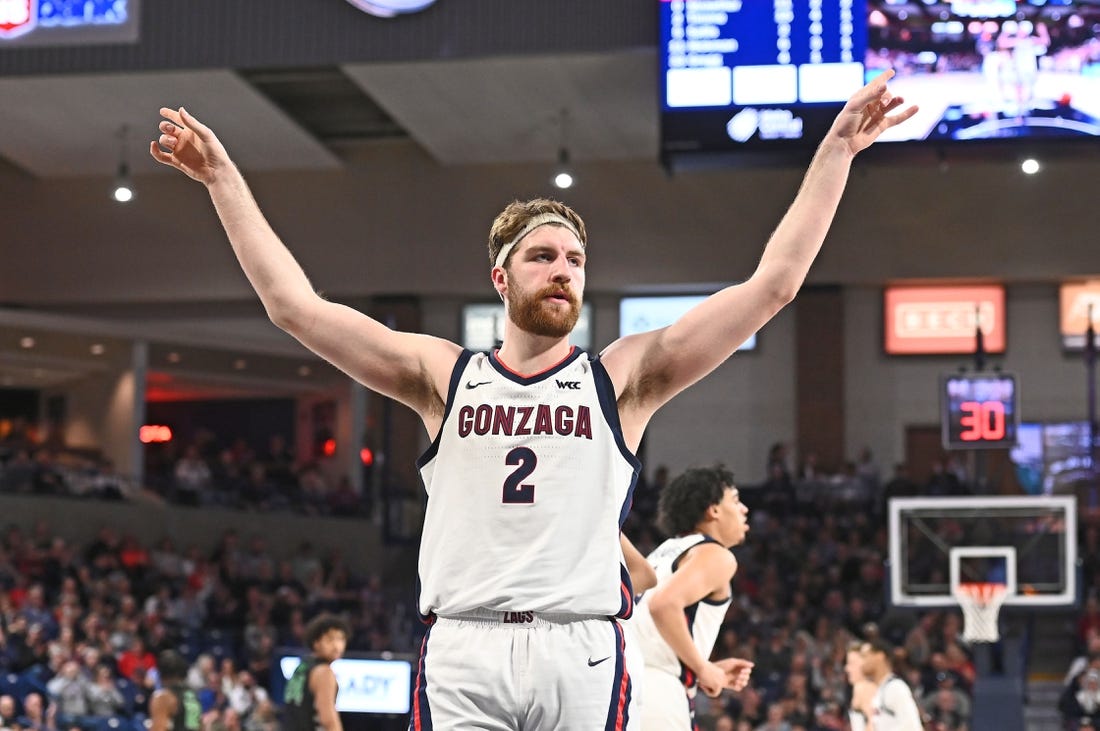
(411, 368)
(653, 367)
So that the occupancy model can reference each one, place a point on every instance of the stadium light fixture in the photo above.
(563, 173)
(123, 188)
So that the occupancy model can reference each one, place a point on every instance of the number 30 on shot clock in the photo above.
(979, 411)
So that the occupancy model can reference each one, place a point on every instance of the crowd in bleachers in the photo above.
(208, 471)
(80, 626)
(205, 471)
(33, 465)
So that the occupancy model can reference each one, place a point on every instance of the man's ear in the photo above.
(499, 278)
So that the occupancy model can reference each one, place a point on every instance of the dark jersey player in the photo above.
(310, 695)
(174, 707)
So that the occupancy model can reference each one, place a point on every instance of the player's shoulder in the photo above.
(321, 668)
(438, 354)
(163, 699)
(896, 687)
(710, 556)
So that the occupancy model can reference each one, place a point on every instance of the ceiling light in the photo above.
(123, 191)
(27, 342)
(563, 173)
(304, 371)
(174, 357)
(563, 177)
(123, 188)
(240, 364)
(1030, 166)
(98, 349)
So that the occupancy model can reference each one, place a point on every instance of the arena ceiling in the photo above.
(373, 171)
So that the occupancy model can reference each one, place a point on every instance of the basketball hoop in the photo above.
(981, 603)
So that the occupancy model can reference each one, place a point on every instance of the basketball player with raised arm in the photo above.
(531, 465)
(677, 622)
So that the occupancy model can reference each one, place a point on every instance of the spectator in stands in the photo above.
(192, 477)
(37, 716)
(1089, 619)
(136, 657)
(46, 479)
(343, 500)
(211, 697)
(943, 481)
(313, 497)
(1080, 701)
(35, 611)
(775, 720)
(245, 695)
(18, 473)
(867, 471)
(7, 711)
(264, 718)
(104, 697)
(198, 672)
(943, 711)
(259, 492)
(1083, 662)
(69, 691)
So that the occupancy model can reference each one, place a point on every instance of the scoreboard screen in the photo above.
(754, 75)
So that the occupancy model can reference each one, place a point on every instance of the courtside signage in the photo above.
(942, 320)
(67, 22)
(390, 8)
(366, 686)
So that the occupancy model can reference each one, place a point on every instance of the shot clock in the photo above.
(979, 411)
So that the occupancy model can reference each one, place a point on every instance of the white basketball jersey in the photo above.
(893, 707)
(704, 618)
(528, 483)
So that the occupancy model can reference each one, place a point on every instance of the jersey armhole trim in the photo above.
(452, 389)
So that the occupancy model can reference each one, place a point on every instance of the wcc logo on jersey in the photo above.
(17, 17)
(390, 8)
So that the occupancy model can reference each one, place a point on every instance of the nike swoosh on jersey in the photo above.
(471, 384)
(593, 663)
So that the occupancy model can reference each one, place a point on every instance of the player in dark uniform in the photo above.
(174, 707)
(311, 691)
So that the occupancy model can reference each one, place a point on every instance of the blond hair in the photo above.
(511, 221)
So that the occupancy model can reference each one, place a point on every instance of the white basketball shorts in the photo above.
(526, 671)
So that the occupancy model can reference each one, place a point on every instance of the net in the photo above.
(981, 603)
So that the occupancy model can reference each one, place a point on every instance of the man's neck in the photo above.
(528, 354)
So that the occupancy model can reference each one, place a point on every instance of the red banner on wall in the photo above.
(942, 320)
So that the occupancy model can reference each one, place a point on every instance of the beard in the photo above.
(531, 314)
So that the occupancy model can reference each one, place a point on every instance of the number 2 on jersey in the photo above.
(515, 492)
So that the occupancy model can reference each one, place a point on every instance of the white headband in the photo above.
(540, 220)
